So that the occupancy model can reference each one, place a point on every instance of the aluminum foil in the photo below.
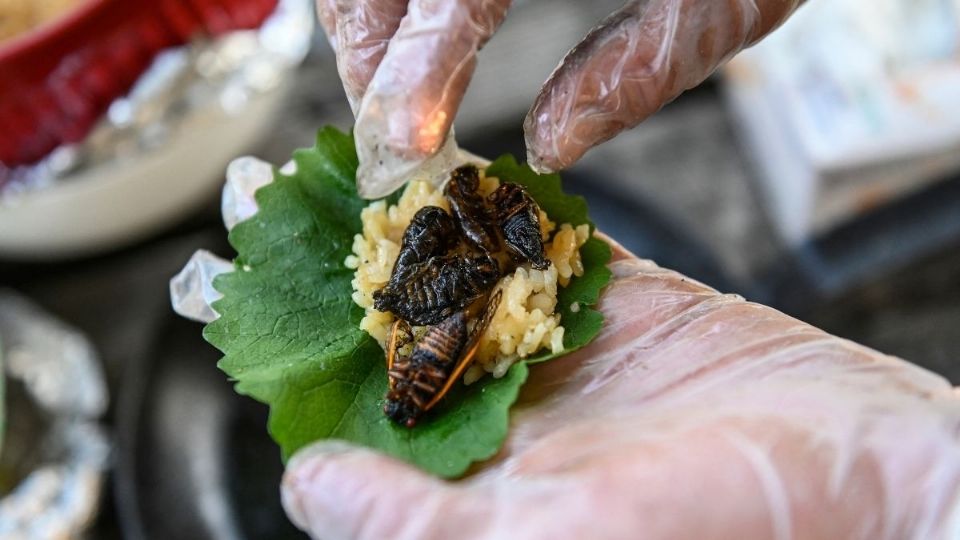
(57, 451)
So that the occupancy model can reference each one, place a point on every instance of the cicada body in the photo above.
(417, 379)
(518, 216)
(431, 232)
(473, 218)
(418, 382)
(438, 288)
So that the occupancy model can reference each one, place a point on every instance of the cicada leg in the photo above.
(471, 349)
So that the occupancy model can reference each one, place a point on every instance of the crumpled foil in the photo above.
(60, 379)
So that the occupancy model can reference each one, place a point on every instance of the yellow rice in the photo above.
(524, 323)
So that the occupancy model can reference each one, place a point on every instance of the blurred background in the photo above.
(819, 173)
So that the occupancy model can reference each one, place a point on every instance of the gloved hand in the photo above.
(407, 95)
(693, 415)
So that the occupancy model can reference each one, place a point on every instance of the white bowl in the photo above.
(124, 201)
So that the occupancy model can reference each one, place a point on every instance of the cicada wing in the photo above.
(392, 344)
(485, 318)
(470, 350)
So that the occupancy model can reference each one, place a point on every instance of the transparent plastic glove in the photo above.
(405, 95)
(406, 65)
(693, 415)
(638, 59)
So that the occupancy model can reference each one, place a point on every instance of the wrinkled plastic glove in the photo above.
(692, 415)
(406, 65)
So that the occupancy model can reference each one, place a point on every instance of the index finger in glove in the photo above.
(414, 95)
(327, 15)
(364, 29)
(638, 59)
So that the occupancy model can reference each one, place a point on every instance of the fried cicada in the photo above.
(439, 287)
(418, 382)
(431, 232)
(473, 218)
(519, 219)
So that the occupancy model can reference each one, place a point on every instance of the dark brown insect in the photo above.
(517, 214)
(438, 288)
(431, 232)
(418, 382)
(473, 218)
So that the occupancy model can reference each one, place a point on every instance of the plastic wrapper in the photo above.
(191, 290)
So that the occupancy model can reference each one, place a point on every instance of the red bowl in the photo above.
(56, 80)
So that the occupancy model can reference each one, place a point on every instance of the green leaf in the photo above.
(289, 329)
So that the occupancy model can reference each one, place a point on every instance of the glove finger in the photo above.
(364, 29)
(634, 62)
(414, 95)
(744, 472)
(327, 15)
(333, 490)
